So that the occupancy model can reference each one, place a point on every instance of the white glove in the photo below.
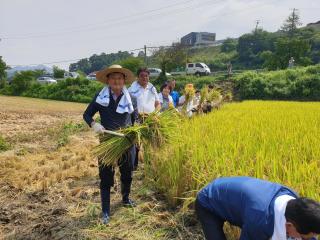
(97, 127)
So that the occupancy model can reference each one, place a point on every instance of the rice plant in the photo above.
(276, 141)
(156, 130)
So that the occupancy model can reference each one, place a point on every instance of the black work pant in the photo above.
(136, 157)
(106, 174)
(212, 225)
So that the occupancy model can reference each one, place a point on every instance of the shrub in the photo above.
(22, 81)
(292, 84)
(4, 146)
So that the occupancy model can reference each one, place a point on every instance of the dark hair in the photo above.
(142, 69)
(164, 86)
(304, 214)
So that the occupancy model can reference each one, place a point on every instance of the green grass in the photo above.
(62, 133)
(4, 145)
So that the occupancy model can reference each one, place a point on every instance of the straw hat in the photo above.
(102, 75)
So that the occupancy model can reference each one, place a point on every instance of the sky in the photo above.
(43, 31)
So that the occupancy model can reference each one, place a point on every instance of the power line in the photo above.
(205, 4)
(134, 50)
(153, 47)
(102, 24)
(65, 61)
(121, 21)
(78, 59)
(242, 10)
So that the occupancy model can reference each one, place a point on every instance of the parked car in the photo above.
(92, 76)
(46, 80)
(198, 69)
(155, 72)
(71, 75)
(179, 71)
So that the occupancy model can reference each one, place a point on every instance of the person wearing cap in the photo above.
(263, 210)
(145, 93)
(115, 106)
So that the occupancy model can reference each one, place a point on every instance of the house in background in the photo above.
(199, 39)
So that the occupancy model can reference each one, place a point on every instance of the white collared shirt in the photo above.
(280, 204)
(146, 97)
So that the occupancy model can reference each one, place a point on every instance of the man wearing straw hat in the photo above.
(115, 107)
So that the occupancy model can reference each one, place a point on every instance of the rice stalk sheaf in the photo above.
(156, 130)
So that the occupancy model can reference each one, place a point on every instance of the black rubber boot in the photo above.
(125, 191)
(105, 200)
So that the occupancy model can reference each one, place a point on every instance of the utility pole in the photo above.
(257, 25)
(145, 55)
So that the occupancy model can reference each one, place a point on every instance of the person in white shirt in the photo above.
(147, 100)
(165, 99)
(145, 93)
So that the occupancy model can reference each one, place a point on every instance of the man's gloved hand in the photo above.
(97, 127)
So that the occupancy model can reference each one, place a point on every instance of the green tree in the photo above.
(132, 63)
(251, 45)
(83, 65)
(58, 72)
(98, 62)
(22, 81)
(170, 58)
(315, 48)
(38, 73)
(3, 74)
(286, 48)
(229, 45)
(291, 24)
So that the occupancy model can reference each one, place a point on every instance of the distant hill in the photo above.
(315, 25)
(12, 71)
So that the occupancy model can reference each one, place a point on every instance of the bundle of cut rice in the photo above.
(156, 130)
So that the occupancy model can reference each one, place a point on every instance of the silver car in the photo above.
(46, 80)
(155, 72)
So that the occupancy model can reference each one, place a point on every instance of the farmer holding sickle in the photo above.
(262, 209)
(115, 107)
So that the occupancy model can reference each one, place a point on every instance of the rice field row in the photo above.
(274, 140)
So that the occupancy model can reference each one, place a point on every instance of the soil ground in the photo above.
(49, 187)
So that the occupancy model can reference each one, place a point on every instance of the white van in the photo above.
(198, 69)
